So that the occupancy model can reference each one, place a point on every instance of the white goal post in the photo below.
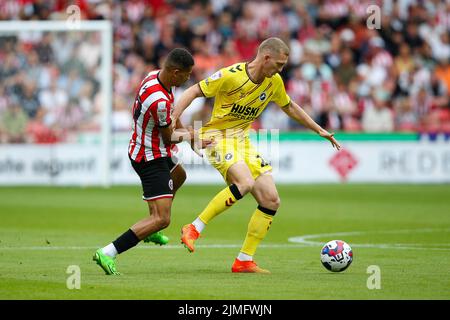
(105, 29)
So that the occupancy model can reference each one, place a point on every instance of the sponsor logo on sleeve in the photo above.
(216, 75)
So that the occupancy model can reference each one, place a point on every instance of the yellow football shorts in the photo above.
(226, 152)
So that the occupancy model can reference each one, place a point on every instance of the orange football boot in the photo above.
(247, 267)
(188, 235)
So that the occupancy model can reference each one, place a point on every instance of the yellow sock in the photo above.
(257, 229)
(221, 202)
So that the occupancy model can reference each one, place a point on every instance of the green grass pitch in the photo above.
(402, 229)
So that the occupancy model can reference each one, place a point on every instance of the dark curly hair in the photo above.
(179, 58)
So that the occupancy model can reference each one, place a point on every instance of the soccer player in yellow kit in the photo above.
(242, 91)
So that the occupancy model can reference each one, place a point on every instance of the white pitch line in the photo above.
(296, 242)
(409, 246)
(222, 246)
(203, 246)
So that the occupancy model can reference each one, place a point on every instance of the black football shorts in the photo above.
(155, 177)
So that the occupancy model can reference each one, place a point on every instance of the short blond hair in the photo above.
(273, 45)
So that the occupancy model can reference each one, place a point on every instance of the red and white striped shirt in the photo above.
(151, 111)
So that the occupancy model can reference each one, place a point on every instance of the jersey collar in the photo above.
(162, 85)
(248, 75)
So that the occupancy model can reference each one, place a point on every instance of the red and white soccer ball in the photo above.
(336, 255)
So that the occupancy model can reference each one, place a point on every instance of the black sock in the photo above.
(126, 241)
(267, 211)
(235, 191)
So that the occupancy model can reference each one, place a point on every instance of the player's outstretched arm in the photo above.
(180, 133)
(175, 133)
(294, 111)
(185, 100)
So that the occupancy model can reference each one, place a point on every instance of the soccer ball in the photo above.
(336, 255)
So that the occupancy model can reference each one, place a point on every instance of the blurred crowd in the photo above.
(349, 68)
(49, 90)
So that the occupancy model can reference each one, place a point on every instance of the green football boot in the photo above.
(157, 238)
(107, 263)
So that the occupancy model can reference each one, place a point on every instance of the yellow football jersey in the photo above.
(238, 100)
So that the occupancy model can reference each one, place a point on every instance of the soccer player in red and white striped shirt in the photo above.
(151, 155)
